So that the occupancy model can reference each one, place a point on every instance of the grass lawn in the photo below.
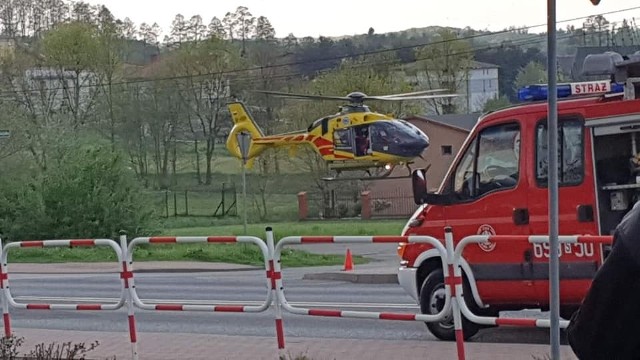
(280, 230)
(230, 253)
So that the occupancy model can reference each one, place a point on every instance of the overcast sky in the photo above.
(340, 17)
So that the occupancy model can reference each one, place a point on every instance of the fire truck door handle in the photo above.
(520, 216)
(527, 256)
(585, 213)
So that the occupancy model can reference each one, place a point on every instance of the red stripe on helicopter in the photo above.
(320, 141)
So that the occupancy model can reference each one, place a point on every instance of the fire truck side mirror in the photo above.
(419, 183)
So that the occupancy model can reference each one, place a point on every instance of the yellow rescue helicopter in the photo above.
(355, 138)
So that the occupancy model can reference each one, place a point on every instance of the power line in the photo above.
(291, 75)
(342, 57)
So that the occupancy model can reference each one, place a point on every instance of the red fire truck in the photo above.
(497, 184)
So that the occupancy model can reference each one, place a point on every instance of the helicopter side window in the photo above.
(342, 139)
(363, 142)
(382, 136)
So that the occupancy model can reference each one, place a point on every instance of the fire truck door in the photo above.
(576, 210)
(491, 198)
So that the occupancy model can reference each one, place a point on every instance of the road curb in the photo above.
(360, 278)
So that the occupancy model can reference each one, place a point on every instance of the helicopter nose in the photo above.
(416, 146)
(423, 142)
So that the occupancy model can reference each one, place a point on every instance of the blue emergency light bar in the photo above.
(541, 92)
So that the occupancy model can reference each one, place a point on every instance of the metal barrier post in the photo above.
(4, 283)
(274, 275)
(127, 281)
(454, 279)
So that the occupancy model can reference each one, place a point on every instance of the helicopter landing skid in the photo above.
(365, 178)
(383, 176)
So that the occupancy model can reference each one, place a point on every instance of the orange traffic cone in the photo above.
(348, 261)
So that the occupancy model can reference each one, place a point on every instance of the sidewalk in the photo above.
(164, 346)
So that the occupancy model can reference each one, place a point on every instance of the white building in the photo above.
(475, 87)
(55, 90)
(482, 85)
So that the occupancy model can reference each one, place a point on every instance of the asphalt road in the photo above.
(238, 287)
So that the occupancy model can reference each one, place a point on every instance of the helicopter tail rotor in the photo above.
(243, 122)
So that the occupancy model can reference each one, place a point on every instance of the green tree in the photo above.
(246, 23)
(264, 29)
(107, 66)
(91, 194)
(594, 27)
(532, 73)
(511, 59)
(71, 50)
(496, 104)
(197, 31)
(216, 29)
(178, 32)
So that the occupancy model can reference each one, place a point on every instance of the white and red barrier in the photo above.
(459, 305)
(305, 240)
(8, 300)
(450, 254)
(200, 240)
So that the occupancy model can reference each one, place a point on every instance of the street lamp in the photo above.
(244, 142)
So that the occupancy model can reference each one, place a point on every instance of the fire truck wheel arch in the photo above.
(432, 255)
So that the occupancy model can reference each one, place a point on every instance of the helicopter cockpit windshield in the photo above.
(398, 137)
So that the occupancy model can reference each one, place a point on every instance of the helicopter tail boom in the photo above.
(243, 122)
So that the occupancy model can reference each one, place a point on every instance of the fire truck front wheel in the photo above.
(432, 300)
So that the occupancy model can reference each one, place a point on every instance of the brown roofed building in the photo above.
(393, 197)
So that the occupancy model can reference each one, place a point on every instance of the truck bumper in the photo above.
(407, 279)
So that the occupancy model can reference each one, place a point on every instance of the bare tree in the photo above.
(204, 88)
(246, 25)
(196, 29)
(230, 24)
(444, 64)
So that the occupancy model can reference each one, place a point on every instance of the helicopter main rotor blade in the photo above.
(302, 96)
(419, 97)
(423, 92)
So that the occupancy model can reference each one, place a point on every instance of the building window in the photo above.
(447, 149)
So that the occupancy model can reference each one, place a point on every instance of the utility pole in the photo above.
(552, 183)
(244, 142)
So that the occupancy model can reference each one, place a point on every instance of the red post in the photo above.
(303, 207)
(365, 200)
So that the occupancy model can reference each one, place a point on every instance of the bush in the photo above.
(9, 350)
(91, 193)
